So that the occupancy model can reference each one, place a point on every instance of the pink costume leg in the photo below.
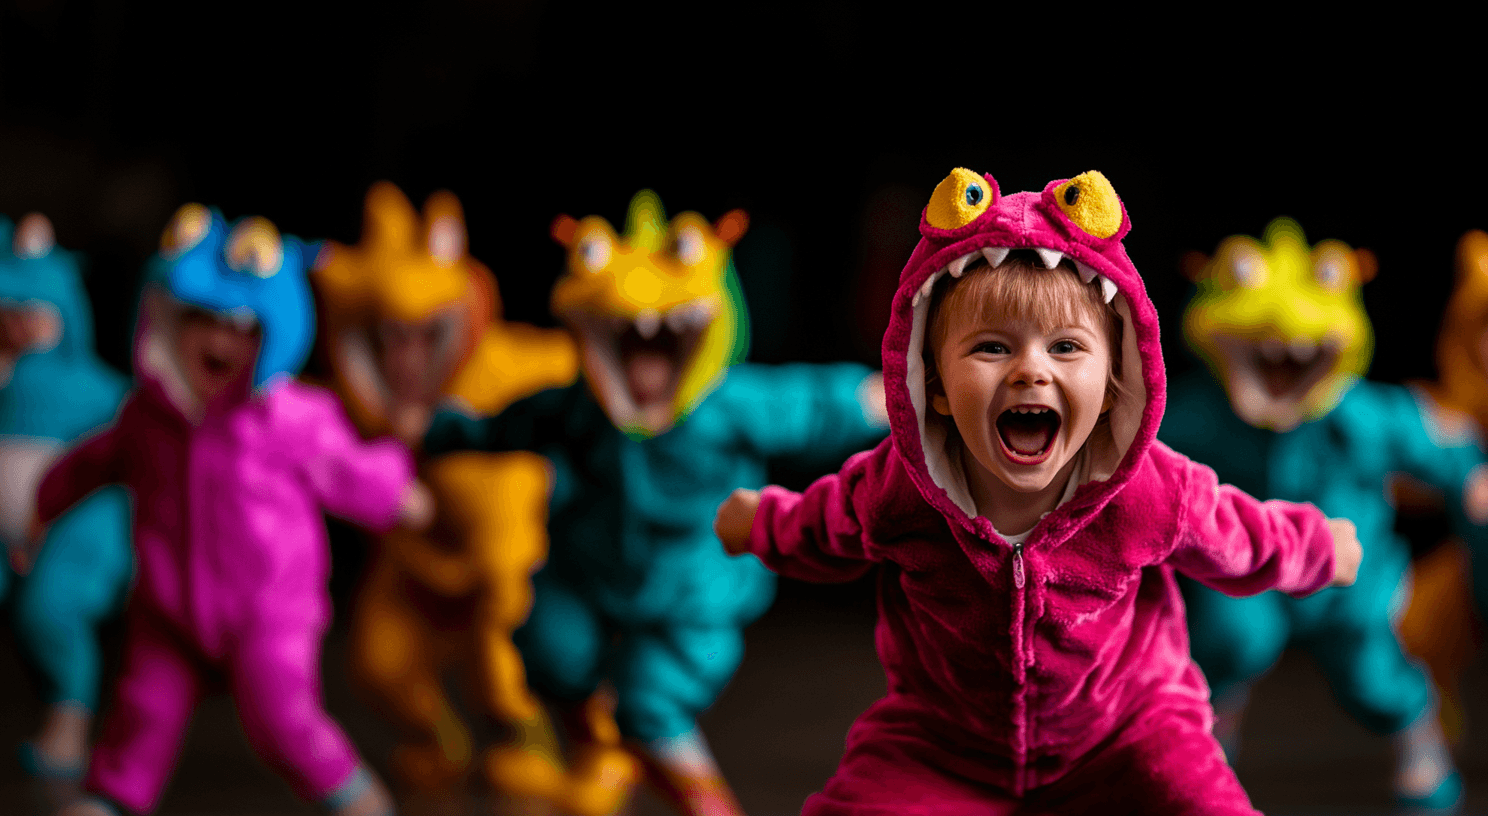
(892, 770)
(142, 731)
(275, 683)
(1165, 762)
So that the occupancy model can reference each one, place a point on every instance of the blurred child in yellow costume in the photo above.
(1438, 625)
(412, 321)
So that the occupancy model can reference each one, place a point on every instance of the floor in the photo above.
(778, 729)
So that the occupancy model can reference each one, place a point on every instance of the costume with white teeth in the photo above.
(1051, 674)
(1353, 436)
(636, 591)
(233, 560)
(50, 397)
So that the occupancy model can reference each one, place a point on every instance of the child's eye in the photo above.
(990, 347)
(1064, 347)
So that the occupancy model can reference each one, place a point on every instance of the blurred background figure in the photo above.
(411, 320)
(54, 390)
(637, 594)
(1287, 415)
(1440, 626)
(231, 464)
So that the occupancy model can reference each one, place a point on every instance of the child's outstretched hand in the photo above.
(734, 519)
(1475, 495)
(1346, 551)
(416, 512)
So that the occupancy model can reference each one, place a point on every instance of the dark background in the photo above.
(830, 126)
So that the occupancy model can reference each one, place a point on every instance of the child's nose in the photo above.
(1029, 368)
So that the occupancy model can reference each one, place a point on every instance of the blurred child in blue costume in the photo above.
(53, 390)
(1282, 327)
(636, 592)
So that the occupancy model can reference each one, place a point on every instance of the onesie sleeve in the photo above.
(1239, 545)
(527, 424)
(362, 482)
(817, 414)
(812, 536)
(89, 465)
(1434, 453)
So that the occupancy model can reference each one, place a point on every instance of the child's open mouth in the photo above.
(651, 364)
(214, 365)
(1028, 433)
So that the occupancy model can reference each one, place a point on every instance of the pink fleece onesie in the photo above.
(233, 564)
(1051, 676)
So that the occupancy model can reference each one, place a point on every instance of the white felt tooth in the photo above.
(648, 323)
(995, 255)
(925, 287)
(1050, 257)
(1108, 288)
(959, 265)
(1086, 273)
(680, 318)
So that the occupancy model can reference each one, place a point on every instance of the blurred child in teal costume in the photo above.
(636, 591)
(56, 389)
(1282, 328)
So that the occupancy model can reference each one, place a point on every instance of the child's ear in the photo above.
(936, 391)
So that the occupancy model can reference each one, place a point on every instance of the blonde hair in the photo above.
(1018, 288)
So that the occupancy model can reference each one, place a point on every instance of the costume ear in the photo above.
(34, 237)
(1193, 264)
(446, 238)
(732, 226)
(563, 230)
(1367, 265)
(388, 219)
(1472, 257)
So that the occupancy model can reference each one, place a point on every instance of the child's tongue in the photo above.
(649, 375)
(1028, 434)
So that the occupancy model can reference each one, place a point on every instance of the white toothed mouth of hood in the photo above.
(638, 363)
(941, 443)
(1270, 378)
(994, 256)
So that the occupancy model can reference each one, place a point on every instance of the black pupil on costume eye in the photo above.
(1071, 194)
(973, 195)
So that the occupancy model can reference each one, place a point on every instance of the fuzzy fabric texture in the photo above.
(1071, 690)
(233, 560)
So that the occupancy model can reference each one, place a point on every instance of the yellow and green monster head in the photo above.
(658, 311)
(1280, 323)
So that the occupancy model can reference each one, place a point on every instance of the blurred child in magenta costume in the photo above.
(230, 462)
(53, 390)
(1284, 413)
(1027, 527)
(410, 320)
(636, 593)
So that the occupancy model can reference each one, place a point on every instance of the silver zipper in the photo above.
(1018, 565)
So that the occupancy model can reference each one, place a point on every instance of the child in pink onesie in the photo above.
(1027, 526)
(230, 462)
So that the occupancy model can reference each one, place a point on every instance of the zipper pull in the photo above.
(1018, 565)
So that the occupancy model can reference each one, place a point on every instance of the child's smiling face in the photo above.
(214, 352)
(1024, 396)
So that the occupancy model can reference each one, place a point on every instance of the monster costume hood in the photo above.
(1018, 670)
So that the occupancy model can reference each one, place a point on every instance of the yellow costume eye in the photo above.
(688, 246)
(186, 229)
(594, 251)
(1333, 265)
(958, 200)
(1090, 202)
(1239, 262)
(254, 247)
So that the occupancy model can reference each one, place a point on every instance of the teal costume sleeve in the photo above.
(812, 414)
